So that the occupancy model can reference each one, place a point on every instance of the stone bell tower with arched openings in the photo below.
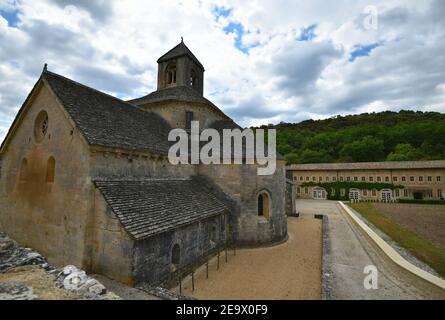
(180, 67)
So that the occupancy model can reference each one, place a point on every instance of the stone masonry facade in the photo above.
(85, 179)
(422, 180)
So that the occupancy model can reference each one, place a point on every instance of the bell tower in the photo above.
(180, 67)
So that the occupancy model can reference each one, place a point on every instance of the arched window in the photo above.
(50, 169)
(264, 205)
(24, 169)
(170, 76)
(213, 233)
(176, 254)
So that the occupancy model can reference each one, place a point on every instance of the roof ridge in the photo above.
(367, 162)
(90, 88)
(186, 51)
(141, 179)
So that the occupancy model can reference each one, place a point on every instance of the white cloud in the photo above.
(113, 46)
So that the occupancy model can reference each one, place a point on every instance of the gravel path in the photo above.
(291, 270)
(351, 252)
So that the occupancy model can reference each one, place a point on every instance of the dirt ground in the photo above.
(122, 290)
(42, 283)
(291, 270)
(428, 221)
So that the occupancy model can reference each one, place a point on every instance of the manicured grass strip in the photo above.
(419, 247)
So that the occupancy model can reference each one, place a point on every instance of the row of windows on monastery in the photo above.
(387, 179)
(373, 193)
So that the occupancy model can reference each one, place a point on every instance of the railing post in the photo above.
(225, 251)
(217, 268)
(193, 280)
(207, 268)
(180, 284)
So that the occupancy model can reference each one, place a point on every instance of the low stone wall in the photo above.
(327, 273)
(392, 254)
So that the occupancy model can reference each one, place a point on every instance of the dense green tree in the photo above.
(292, 158)
(365, 149)
(404, 152)
(284, 148)
(364, 137)
(314, 156)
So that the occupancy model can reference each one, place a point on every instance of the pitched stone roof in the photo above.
(387, 165)
(108, 121)
(149, 207)
(220, 125)
(178, 51)
(178, 93)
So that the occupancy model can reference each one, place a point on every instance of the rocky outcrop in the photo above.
(69, 278)
(12, 256)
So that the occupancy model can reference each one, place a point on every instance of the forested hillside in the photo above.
(384, 136)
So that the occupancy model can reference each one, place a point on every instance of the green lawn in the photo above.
(419, 247)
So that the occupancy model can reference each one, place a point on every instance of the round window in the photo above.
(41, 125)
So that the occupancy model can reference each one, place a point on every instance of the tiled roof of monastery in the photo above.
(387, 165)
(149, 207)
(180, 50)
(177, 93)
(108, 121)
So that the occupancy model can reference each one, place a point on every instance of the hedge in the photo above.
(337, 185)
(420, 201)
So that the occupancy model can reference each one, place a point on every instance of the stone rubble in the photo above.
(16, 291)
(73, 279)
(69, 277)
(12, 256)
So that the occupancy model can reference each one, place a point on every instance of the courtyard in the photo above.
(291, 270)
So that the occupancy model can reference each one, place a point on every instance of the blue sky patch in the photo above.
(221, 12)
(11, 17)
(362, 50)
(238, 30)
(307, 34)
(233, 27)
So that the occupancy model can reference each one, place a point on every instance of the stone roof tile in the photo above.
(177, 93)
(180, 50)
(108, 121)
(149, 207)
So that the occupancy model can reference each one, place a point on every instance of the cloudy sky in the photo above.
(266, 61)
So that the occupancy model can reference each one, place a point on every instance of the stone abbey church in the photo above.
(85, 179)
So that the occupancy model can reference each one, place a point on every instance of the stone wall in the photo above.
(290, 198)
(111, 247)
(393, 176)
(184, 68)
(106, 165)
(50, 217)
(243, 185)
(153, 256)
(174, 113)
